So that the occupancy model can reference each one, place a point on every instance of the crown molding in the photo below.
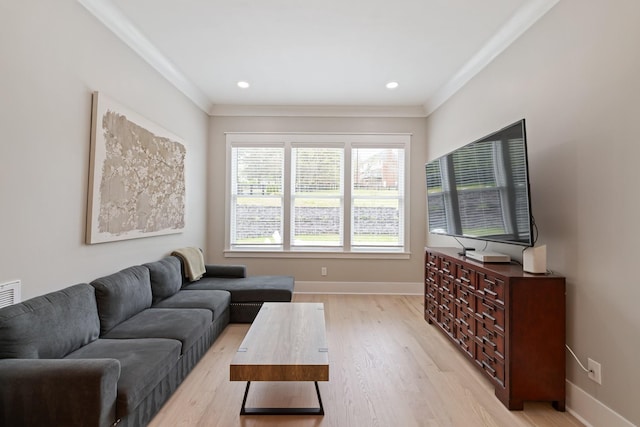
(520, 22)
(107, 13)
(315, 111)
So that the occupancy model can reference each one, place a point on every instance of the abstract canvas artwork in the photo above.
(136, 177)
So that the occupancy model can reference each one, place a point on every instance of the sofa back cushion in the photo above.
(122, 295)
(49, 326)
(166, 277)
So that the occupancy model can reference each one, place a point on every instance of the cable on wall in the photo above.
(577, 360)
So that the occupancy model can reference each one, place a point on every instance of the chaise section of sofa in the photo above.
(248, 293)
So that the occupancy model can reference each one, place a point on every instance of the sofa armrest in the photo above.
(231, 271)
(38, 392)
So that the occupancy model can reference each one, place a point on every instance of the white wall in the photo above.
(397, 272)
(53, 54)
(575, 77)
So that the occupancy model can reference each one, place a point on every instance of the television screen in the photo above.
(481, 190)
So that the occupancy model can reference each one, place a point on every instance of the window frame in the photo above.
(347, 141)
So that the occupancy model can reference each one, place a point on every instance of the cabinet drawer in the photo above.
(490, 363)
(447, 304)
(431, 289)
(466, 276)
(465, 341)
(432, 260)
(491, 314)
(466, 320)
(466, 298)
(447, 267)
(489, 338)
(447, 322)
(431, 275)
(491, 287)
(431, 308)
(447, 284)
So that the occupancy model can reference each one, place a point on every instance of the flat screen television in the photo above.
(481, 191)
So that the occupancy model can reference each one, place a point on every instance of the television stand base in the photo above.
(486, 256)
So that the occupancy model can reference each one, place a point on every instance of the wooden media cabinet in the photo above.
(510, 324)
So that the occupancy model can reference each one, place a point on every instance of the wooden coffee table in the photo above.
(286, 342)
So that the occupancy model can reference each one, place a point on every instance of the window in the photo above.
(257, 196)
(377, 197)
(317, 197)
(317, 192)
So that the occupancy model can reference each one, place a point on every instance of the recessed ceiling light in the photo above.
(243, 85)
(392, 85)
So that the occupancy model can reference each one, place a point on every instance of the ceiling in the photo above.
(318, 54)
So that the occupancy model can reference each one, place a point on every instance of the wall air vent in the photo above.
(10, 293)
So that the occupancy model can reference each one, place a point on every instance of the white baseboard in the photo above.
(590, 411)
(382, 288)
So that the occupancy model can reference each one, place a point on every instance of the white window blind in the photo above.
(377, 197)
(257, 193)
(317, 196)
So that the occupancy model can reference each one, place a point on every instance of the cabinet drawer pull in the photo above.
(489, 359)
(488, 316)
(488, 341)
(489, 368)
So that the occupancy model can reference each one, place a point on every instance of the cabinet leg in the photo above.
(516, 405)
(510, 403)
(558, 405)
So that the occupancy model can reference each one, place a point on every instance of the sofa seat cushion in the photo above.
(49, 326)
(122, 295)
(184, 325)
(250, 289)
(166, 277)
(216, 301)
(143, 364)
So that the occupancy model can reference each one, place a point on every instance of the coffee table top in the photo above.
(286, 342)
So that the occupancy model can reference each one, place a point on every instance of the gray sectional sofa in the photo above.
(112, 352)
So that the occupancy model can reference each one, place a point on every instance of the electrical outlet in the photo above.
(323, 271)
(595, 370)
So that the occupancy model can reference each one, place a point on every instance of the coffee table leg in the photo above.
(281, 411)
(243, 410)
(321, 408)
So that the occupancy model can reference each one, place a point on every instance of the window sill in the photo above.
(236, 253)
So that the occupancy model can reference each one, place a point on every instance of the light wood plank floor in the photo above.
(388, 367)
